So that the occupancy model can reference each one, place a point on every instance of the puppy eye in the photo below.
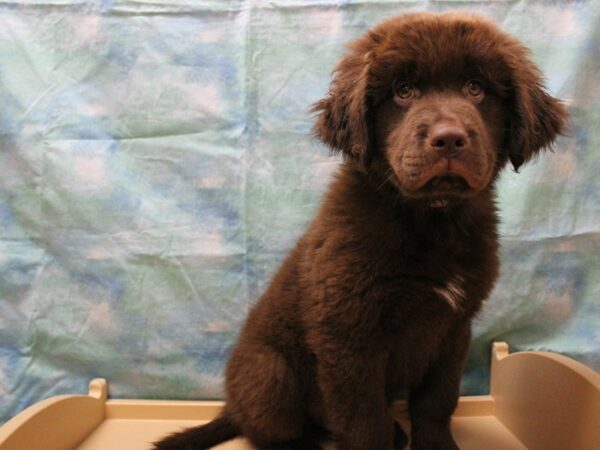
(404, 91)
(474, 88)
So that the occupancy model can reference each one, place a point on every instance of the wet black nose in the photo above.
(448, 138)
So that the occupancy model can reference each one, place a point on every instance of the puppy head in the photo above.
(440, 102)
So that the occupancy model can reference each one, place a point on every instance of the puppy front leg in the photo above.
(352, 385)
(433, 401)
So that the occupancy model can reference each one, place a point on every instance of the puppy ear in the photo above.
(540, 118)
(342, 122)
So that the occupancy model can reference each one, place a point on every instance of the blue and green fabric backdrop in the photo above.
(156, 164)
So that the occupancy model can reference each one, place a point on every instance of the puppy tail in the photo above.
(201, 437)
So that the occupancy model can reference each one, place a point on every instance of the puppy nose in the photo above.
(448, 138)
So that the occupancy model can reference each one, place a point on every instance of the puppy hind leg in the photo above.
(267, 400)
(283, 433)
(298, 444)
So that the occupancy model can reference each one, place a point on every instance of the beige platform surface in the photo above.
(537, 401)
(471, 433)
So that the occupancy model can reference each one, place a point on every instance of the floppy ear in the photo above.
(342, 122)
(539, 119)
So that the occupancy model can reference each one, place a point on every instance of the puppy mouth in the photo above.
(449, 182)
(448, 176)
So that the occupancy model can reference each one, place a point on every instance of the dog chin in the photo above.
(447, 184)
(440, 191)
(444, 185)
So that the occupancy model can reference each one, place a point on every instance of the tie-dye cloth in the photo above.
(156, 164)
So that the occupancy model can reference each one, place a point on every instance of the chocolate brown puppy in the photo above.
(378, 296)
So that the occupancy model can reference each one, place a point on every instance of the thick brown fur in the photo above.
(377, 297)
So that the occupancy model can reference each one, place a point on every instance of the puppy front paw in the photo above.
(433, 439)
(400, 437)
